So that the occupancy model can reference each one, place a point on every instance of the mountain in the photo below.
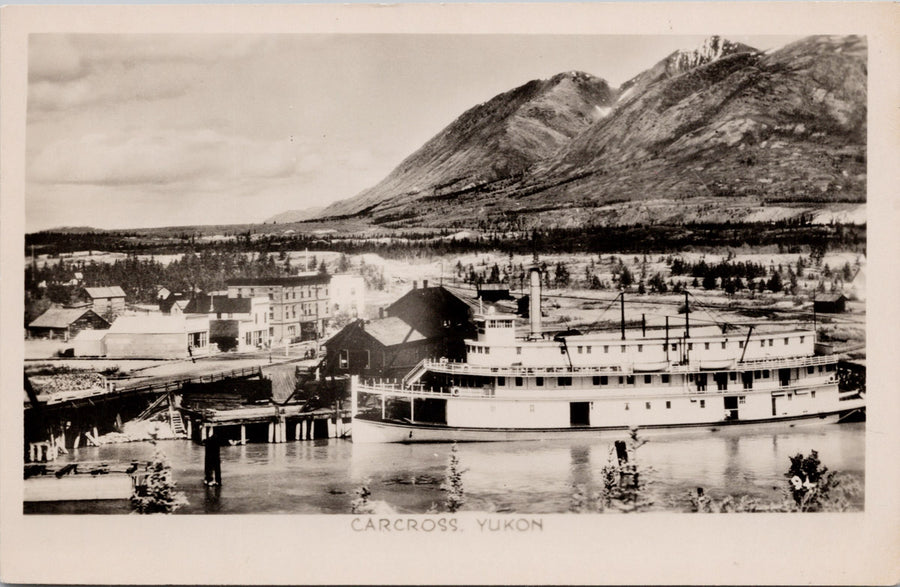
(294, 215)
(494, 141)
(720, 133)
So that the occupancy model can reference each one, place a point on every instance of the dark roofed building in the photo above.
(65, 323)
(240, 324)
(830, 303)
(386, 348)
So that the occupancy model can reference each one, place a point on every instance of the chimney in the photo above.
(424, 284)
(381, 312)
(415, 284)
(534, 309)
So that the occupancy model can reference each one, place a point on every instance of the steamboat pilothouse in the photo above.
(535, 387)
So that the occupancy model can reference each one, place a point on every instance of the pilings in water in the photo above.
(272, 427)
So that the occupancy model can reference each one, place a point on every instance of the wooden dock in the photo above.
(270, 423)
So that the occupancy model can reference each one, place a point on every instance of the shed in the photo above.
(65, 323)
(830, 303)
(89, 343)
(158, 337)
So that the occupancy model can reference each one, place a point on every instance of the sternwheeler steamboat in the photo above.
(539, 386)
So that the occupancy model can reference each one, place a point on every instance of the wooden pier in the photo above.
(270, 423)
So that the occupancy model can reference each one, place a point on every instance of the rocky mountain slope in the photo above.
(721, 133)
(295, 215)
(493, 141)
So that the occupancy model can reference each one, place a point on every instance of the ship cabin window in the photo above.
(790, 396)
(665, 377)
(668, 405)
(703, 403)
(596, 380)
(690, 346)
(771, 342)
(801, 339)
(606, 348)
(733, 376)
(640, 348)
(563, 381)
(580, 349)
(724, 343)
(621, 380)
(706, 346)
(765, 373)
(740, 344)
(647, 405)
(604, 380)
(742, 399)
(589, 349)
(519, 382)
(830, 367)
(539, 381)
(626, 406)
(757, 374)
(501, 381)
(648, 378)
(487, 350)
(562, 350)
(786, 341)
(623, 348)
(810, 370)
(518, 350)
(630, 379)
(812, 394)
(674, 347)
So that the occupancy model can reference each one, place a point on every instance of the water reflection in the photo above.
(526, 477)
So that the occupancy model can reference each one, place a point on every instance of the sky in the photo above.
(136, 131)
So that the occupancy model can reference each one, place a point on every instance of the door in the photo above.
(784, 377)
(731, 407)
(580, 413)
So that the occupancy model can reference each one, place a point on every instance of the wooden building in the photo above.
(240, 324)
(382, 348)
(299, 308)
(106, 301)
(158, 337)
(65, 323)
(830, 303)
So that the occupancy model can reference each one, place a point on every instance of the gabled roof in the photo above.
(113, 291)
(218, 304)
(831, 297)
(392, 331)
(60, 317)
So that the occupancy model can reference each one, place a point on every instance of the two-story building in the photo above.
(108, 302)
(298, 304)
(240, 324)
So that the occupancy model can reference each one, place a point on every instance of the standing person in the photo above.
(213, 460)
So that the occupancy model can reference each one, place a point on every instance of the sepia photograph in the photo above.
(391, 282)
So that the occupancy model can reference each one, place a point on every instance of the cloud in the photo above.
(166, 157)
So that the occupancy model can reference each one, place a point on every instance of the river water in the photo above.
(322, 476)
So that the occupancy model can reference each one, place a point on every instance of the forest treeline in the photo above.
(788, 236)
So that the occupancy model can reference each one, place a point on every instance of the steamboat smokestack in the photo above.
(534, 302)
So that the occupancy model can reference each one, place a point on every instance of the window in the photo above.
(596, 380)
(690, 346)
(539, 381)
(580, 349)
(368, 361)
(810, 370)
(621, 380)
(623, 348)
(518, 350)
(733, 376)
(771, 342)
(706, 346)
(501, 381)
(563, 381)
(518, 382)
(790, 396)
(648, 378)
(724, 343)
(665, 377)
(647, 405)
(627, 407)
(604, 380)
(630, 379)
(703, 403)
(344, 359)
(487, 350)
(765, 373)
(674, 347)
(786, 341)
(812, 394)
(762, 343)
(740, 344)
(802, 339)
(562, 350)
(640, 348)
(606, 348)
(668, 405)
(588, 349)
(742, 399)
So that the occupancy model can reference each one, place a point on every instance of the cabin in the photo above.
(65, 323)
(240, 324)
(158, 337)
(383, 348)
(106, 301)
(830, 303)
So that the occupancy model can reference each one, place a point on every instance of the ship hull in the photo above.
(372, 431)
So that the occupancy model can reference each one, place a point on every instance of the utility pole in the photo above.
(687, 316)
(622, 305)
